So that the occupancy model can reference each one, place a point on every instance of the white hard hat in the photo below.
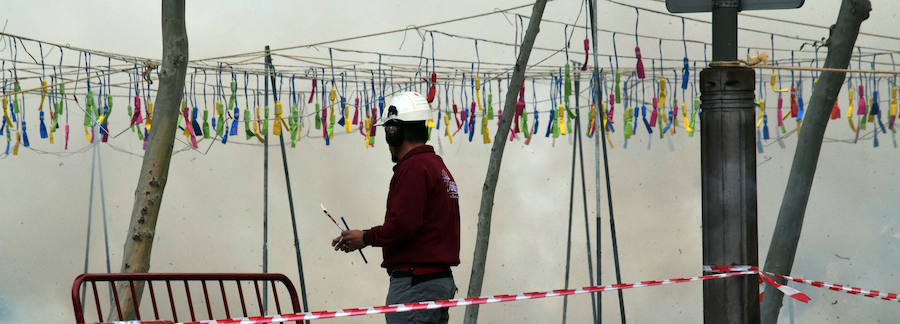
(407, 106)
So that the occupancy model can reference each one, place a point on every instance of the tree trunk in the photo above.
(155, 167)
(780, 258)
(493, 170)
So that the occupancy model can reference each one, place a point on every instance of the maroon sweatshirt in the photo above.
(421, 224)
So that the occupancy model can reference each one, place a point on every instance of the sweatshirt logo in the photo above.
(450, 185)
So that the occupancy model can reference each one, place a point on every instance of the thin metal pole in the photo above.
(87, 247)
(270, 69)
(587, 229)
(103, 209)
(265, 264)
(587, 232)
(103, 204)
(569, 238)
(612, 223)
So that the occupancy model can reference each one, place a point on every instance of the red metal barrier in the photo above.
(220, 278)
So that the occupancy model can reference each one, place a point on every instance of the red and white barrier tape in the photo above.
(726, 271)
(850, 290)
(463, 301)
(764, 277)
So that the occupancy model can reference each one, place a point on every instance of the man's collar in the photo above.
(414, 151)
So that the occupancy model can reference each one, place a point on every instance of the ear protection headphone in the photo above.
(393, 130)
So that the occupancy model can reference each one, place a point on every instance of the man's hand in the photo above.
(348, 241)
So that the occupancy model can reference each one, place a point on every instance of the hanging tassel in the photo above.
(892, 109)
(618, 89)
(187, 126)
(219, 122)
(471, 122)
(765, 119)
(104, 127)
(465, 121)
(88, 116)
(835, 111)
(348, 127)
(862, 109)
(324, 127)
(18, 140)
(626, 116)
(278, 121)
(485, 135)
(551, 123)
(607, 120)
(447, 128)
(248, 133)
(780, 117)
(196, 125)
(147, 122)
(294, 124)
(25, 141)
(233, 105)
(640, 63)
(343, 113)
(43, 128)
(206, 123)
(356, 111)
(490, 109)
(6, 120)
(456, 116)
(520, 107)
(136, 118)
(561, 125)
(318, 115)
(674, 120)
(234, 122)
(586, 51)
(694, 109)
(432, 91)
(793, 102)
(876, 112)
(312, 93)
(654, 115)
(850, 109)
(592, 121)
(333, 98)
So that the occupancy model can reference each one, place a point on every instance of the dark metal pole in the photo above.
(728, 177)
(728, 174)
(265, 264)
(287, 179)
(612, 222)
(724, 29)
(587, 229)
(577, 144)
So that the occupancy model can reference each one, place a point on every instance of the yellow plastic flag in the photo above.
(278, 121)
(478, 93)
(16, 147)
(562, 120)
(772, 82)
(662, 94)
(447, 129)
(850, 109)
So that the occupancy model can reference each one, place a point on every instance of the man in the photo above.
(420, 234)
